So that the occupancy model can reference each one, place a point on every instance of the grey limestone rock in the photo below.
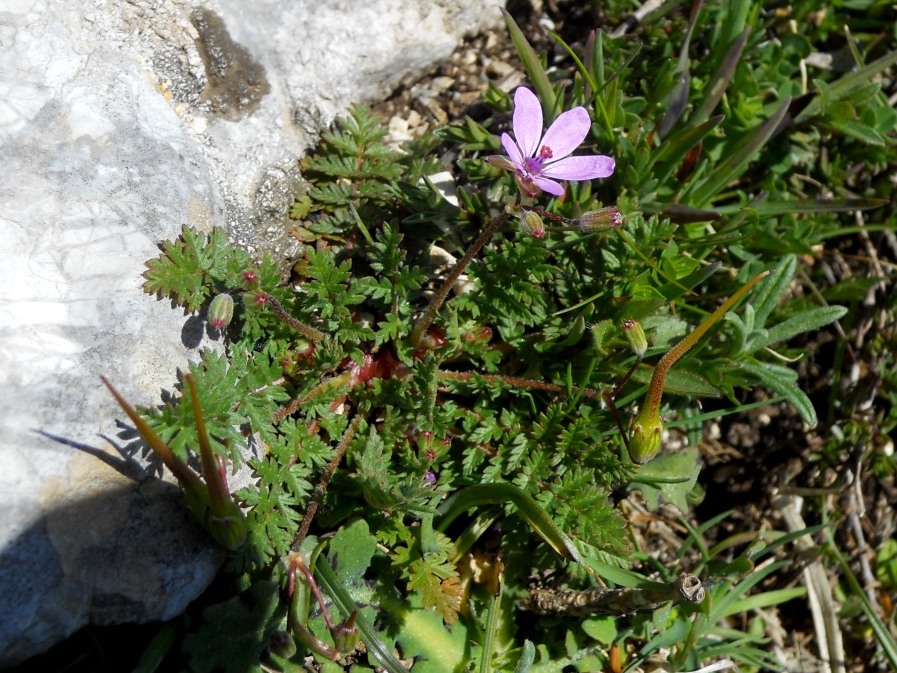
(120, 121)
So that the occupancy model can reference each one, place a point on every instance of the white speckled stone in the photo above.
(110, 141)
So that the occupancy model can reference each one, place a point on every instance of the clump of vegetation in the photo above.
(432, 443)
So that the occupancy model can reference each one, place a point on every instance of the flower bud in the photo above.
(636, 336)
(531, 224)
(346, 634)
(645, 436)
(501, 162)
(603, 219)
(250, 279)
(282, 644)
(221, 311)
(480, 335)
(256, 300)
(602, 333)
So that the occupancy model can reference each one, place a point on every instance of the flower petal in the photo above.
(512, 149)
(567, 132)
(527, 121)
(550, 186)
(580, 168)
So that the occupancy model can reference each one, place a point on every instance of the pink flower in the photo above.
(540, 161)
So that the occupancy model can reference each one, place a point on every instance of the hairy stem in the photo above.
(515, 381)
(305, 330)
(321, 488)
(423, 323)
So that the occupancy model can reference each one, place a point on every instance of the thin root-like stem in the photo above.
(610, 399)
(429, 315)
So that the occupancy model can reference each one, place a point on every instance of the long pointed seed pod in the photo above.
(647, 428)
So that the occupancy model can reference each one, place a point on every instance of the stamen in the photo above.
(545, 152)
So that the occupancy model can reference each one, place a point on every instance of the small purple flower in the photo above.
(540, 161)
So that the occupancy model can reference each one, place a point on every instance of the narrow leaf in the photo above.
(672, 291)
(806, 321)
(678, 98)
(376, 646)
(773, 208)
(533, 67)
(721, 78)
(500, 494)
(861, 132)
(766, 298)
(739, 158)
(853, 80)
(781, 381)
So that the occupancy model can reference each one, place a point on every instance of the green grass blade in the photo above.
(879, 628)
(500, 494)
(722, 77)
(738, 160)
(775, 208)
(372, 640)
(677, 145)
(534, 69)
(853, 80)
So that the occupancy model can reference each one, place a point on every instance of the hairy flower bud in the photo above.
(636, 336)
(602, 333)
(221, 311)
(603, 219)
(250, 279)
(531, 224)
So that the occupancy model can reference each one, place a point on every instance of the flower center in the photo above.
(533, 165)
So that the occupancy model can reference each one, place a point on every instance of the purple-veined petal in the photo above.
(580, 168)
(527, 121)
(513, 150)
(550, 186)
(567, 132)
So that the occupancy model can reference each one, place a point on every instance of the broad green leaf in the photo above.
(234, 632)
(527, 657)
(602, 629)
(670, 477)
(351, 551)
(440, 649)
